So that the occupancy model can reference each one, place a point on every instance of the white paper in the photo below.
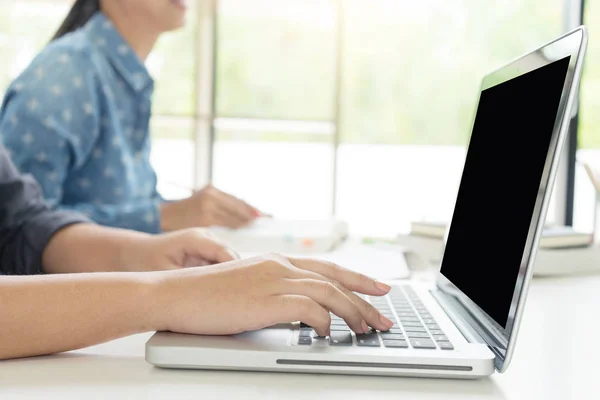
(277, 228)
(284, 236)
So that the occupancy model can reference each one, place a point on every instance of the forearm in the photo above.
(50, 314)
(93, 248)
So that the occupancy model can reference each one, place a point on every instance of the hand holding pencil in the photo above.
(207, 207)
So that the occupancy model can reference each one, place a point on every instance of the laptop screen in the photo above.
(511, 136)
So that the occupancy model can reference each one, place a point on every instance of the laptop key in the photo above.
(407, 314)
(446, 346)
(418, 334)
(305, 340)
(436, 332)
(367, 340)
(412, 323)
(395, 343)
(336, 328)
(422, 343)
(393, 330)
(409, 319)
(306, 333)
(392, 336)
(440, 338)
(415, 329)
(340, 339)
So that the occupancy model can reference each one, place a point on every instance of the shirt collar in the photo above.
(105, 36)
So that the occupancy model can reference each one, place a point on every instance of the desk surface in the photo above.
(556, 358)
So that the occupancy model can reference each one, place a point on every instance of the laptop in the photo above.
(465, 325)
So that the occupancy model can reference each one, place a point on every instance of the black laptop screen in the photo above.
(501, 178)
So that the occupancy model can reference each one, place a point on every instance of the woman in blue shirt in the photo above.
(77, 119)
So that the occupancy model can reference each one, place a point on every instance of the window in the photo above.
(589, 124)
(173, 64)
(173, 155)
(26, 27)
(276, 59)
(275, 82)
(393, 149)
(411, 75)
(306, 108)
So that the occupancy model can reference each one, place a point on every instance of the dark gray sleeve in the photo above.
(26, 223)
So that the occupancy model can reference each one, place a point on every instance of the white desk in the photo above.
(558, 357)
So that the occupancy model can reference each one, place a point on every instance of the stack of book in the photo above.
(562, 250)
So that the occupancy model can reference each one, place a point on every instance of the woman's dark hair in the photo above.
(80, 14)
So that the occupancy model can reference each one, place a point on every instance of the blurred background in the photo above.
(356, 108)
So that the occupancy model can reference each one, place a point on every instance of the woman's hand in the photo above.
(92, 248)
(182, 249)
(259, 292)
(207, 207)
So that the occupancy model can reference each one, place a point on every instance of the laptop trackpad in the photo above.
(265, 339)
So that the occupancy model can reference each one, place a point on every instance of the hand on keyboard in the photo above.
(414, 326)
(251, 294)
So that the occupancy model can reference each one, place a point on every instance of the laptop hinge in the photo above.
(463, 320)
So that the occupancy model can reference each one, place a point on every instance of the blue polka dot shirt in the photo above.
(77, 119)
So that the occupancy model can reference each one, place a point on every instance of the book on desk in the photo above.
(267, 235)
(553, 237)
(562, 250)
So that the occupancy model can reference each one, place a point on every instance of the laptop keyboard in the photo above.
(414, 327)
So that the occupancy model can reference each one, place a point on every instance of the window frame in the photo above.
(573, 17)
(206, 120)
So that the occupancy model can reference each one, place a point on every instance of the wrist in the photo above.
(149, 302)
(132, 250)
(168, 212)
(158, 299)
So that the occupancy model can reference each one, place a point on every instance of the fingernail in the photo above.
(387, 322)
(256, 213)
(364, 326)
(382, 287)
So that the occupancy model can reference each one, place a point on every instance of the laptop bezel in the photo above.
(502, 340)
